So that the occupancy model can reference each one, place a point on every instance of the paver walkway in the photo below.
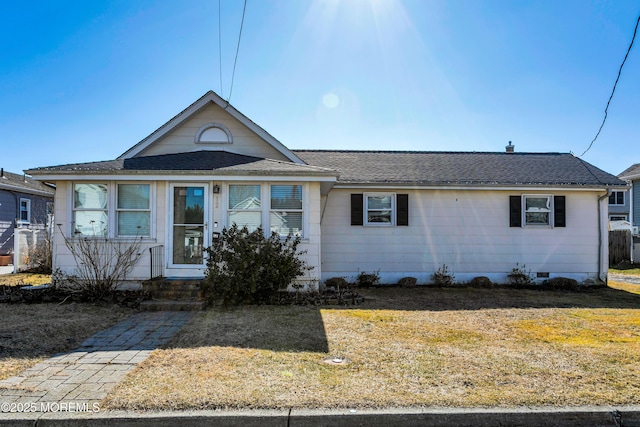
(84, 376)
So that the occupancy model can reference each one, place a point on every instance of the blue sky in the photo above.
(84, 81)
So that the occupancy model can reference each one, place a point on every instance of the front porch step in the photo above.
(171, 294)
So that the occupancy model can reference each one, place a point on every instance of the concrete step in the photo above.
(169, 305)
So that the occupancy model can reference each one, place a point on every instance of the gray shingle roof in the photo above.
(459, 168)
(24, 184)
(632, 172)
(204, 161)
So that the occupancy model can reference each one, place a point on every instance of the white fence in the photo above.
(25, 240)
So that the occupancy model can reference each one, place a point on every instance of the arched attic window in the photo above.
(213, 133)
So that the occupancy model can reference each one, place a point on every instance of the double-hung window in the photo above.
(112, 210)
(245, 206)
(25, 211)
(286, 212)
(90, 209)
(380, 209)
(537, 210)
(133, 210)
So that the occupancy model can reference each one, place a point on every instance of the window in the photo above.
(25, 211)
(617, 218)
(286, 214)
(90, 210)
(616, 198)
(110, 209)
(380, 209)
(245, 206)
(133, 209)
(537, 210)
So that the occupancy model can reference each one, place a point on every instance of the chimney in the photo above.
(510, 147)
(1, 172)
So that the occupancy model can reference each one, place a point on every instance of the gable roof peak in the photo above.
(210, 97)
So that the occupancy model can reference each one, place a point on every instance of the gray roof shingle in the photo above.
(459, 168)
(24, 184)
(204, 161)
(632, 172)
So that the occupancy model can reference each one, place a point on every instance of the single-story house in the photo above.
(397, 213)
(25, 204)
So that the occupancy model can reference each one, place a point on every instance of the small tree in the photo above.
(101, 263)
(246, 267)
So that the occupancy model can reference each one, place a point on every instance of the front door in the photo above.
(188, 230)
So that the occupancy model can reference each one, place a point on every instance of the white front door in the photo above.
(188, 236)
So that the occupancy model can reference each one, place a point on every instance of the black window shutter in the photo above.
(402, 206)
(357, 207)
(515, 211)
(559, 211)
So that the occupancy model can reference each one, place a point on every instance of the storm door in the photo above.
(188, 230)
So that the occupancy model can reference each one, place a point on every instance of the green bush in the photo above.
(245, 267)
(443, 277)
(364, 279)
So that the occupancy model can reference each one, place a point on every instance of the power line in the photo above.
(233, 73)
(606, 110)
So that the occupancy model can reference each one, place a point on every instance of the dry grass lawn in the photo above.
(402, 347)
(30, 333)
(24, 279)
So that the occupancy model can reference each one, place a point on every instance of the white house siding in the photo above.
(182, 138)
(466, 230)
(64, 260)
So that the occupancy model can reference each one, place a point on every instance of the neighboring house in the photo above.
(619, 205)
(24, 204)
(632, 176)
(396, 213)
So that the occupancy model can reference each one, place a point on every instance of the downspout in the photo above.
(600, 237)
(630, 183)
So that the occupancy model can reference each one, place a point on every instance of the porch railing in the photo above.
(157, 255)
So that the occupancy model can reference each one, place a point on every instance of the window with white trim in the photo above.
(616, 198)
(98, 212)
(618, 218)
(133, 210)
(286, 212)
(25, 211)
(537, 210)
(379, 209)
(90, 209)
(245, 205)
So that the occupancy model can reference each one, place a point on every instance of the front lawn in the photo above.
(457, 347)
(30, 333)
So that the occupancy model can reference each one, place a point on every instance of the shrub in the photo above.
(562, 283)
(481, 282)
(443, 276)
(245, 267)
(407, 282)
(520, 276)
(365, 279)
(101, 264)
(336, 283)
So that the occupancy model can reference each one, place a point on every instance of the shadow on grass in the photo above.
(301, 328)
(276, 328)
(467, 298)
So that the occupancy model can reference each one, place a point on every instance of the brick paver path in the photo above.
(84, 376)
